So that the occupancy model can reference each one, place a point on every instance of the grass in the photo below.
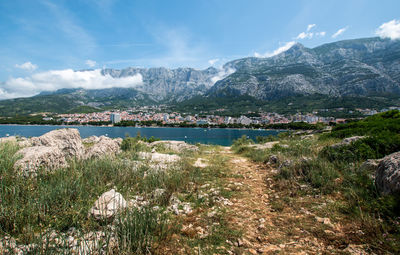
(59, 200)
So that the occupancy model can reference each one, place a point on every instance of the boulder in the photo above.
(176, 146)
(68, 140)
(387, 177)
(370, 165)
(102, 146)
(108, 205)
(39, 156)
(348, 140)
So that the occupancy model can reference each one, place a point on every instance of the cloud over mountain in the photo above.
(281, 49)
(390, 30)
(68, 78)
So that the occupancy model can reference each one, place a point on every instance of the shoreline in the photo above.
(217, 136)
(72, 126)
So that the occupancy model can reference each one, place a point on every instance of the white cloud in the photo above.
(281, 49)
(213, 61)
(222, 74)
(90, 63)
(389, 29)
(309, 27)
(68, 78)
(28, 66)
(309, 35)
(339, 32)
(304, 35)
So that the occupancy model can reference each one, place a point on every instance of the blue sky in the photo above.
(42, 35)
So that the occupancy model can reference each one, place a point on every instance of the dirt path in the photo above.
(268, 225)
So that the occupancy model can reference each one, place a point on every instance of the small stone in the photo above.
(252, 251)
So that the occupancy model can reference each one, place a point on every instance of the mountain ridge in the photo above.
(363, 67)
(350, 67)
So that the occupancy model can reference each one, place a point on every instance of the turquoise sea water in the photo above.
(223, 137)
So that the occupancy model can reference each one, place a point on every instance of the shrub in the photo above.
(133, 144)
(373, 147)
(265, 139)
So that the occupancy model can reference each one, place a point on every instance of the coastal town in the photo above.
(153, 114)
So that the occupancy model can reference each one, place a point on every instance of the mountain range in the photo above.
(367, 68)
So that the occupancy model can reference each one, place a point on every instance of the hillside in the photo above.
(360, 67)
(359, 73)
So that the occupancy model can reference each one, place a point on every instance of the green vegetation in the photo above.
(137, 143)
(70, 101)
(382, 133)
(334, 173)
(234, 105)
(32, 208)
(387, 121)
(27, 119)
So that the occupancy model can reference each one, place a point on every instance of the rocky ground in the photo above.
(267, 222)
(225, 203)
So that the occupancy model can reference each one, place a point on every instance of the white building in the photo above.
(115, 117)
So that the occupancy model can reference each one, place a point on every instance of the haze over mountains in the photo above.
(362, 67)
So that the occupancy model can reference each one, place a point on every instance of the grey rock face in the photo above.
(169, 84)
(361, 67)
(346, 68)
(387, 178)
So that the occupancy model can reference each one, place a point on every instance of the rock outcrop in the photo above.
(347, 141)
(387, 178)
(53, 149)
(175, 146)
(102, 146)
(264, 146)
(108, 205)
(36, 157)
(68, 140)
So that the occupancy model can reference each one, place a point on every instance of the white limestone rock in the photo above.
(108, 205)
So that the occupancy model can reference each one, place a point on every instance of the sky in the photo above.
(44, 42)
